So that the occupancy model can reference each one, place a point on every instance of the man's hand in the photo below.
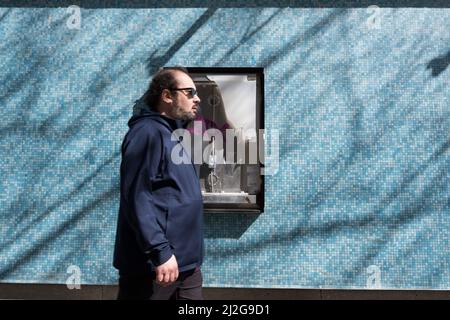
(167, 273)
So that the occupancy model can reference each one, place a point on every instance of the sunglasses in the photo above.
(191, 92)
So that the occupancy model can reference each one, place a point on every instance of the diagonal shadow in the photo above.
(29, 75)
(59, 202)
(227, 225)
(300, 39)
(309, 34)
(43, 129)
(32, 252)
(7, 12)
(155, 62)
(439, 64)
(248, 35)
(408, 213)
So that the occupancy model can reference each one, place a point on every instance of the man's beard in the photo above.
(182, 115)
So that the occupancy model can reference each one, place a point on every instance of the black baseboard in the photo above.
(109, 292)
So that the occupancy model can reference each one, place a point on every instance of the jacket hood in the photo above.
(142, 111)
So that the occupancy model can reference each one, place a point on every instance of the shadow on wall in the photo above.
(155, 62)
(230, 225)
(439, 64)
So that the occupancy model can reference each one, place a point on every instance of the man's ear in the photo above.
(166, 96)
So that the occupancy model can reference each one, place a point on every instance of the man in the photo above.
(159, 240)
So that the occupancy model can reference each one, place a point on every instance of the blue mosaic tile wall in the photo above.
(360, 97)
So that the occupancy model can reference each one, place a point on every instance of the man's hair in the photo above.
(163, 79)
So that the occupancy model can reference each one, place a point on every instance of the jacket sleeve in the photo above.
(141, 155)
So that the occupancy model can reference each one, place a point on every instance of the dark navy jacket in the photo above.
(161, 207)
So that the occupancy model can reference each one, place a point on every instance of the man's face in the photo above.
(185, 106)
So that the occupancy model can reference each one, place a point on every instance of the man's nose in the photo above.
(197, 99)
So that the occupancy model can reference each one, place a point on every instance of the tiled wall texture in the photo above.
(359, 96)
